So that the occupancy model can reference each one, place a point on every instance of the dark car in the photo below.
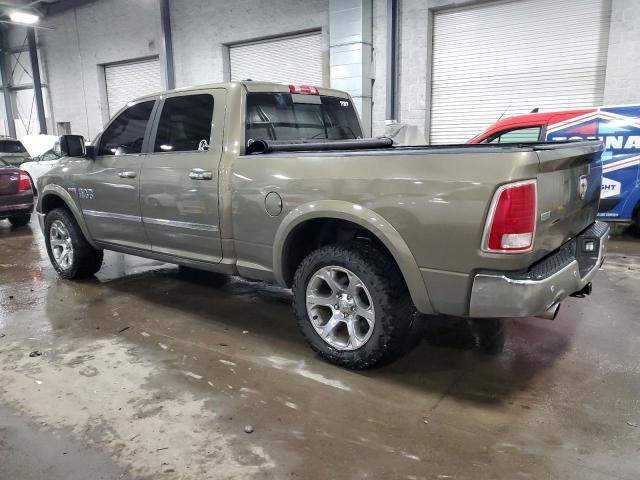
(16, 195)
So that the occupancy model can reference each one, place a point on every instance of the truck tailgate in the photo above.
(569, 179)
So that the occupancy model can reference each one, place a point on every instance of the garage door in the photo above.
(126, 81)
(510, 57)
(292, 59)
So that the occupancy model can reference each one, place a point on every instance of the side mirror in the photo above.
(91, 152)
(70, 146)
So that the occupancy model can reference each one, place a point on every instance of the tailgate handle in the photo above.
(200, 174)
(127, 174)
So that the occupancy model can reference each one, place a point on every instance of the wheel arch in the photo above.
(54, 196)
(312, 213)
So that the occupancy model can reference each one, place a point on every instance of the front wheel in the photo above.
(352, 305)
(70, 253)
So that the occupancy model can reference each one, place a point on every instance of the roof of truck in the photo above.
(250, 86)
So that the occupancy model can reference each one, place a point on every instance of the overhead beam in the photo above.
(37, 84)
(166, 52)
(5, 69)
(62, 5)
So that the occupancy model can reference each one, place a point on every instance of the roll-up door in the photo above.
(292, 59)
(126, 81)
(507, 58)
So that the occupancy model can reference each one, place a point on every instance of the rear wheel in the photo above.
(352, 305)
(70, 253)
(20, 220)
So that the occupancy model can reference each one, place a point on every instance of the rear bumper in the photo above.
(531, 293)
(18, 209)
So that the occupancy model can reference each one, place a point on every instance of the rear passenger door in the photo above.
(179, 181)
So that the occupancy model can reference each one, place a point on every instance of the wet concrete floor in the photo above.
(146, 373)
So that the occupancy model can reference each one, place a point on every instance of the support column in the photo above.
(350, 51)
(166, 47)
(37, 84)
(5, 72)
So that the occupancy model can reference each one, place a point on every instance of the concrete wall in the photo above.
(106, 31)
(110, 31)
(622, 82)
(86, 38)
(203, 28)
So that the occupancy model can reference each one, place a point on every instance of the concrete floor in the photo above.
(147, 374)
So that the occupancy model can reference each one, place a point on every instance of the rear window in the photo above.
(11, 146)
(286, 116)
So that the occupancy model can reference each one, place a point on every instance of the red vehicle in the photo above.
(16, 195)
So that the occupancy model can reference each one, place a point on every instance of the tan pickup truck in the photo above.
(273, 182)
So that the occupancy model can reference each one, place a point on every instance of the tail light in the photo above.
(511, 223)
(307, 89)
(24, 182)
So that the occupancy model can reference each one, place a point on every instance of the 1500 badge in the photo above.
(85, 193)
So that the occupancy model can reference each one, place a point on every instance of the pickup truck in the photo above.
(616, 126)
(272, 182)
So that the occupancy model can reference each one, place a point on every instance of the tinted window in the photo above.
(3, 163)
(185, 124)
(126, 132)
(284, 116)
(520, 135)
(48, 156)
(12, 147)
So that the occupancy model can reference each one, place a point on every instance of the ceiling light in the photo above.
(24, 17)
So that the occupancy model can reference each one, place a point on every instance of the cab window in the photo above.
(126, 133)
(518, 135)
(185, 124)
(285, 116)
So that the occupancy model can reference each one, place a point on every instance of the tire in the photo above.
(20, 220)
(85, 260)
(379, 287)
(490, 333)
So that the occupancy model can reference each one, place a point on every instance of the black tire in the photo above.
(86, 259)
(20, 220)
(395, 313)
(491, 335)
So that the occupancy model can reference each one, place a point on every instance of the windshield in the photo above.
(11, 146)
(286, 116)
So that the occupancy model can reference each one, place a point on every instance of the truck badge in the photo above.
(582, 187)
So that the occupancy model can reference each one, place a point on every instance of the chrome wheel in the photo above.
(340, 308)
(61, 245)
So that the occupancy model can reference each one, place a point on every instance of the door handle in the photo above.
(200, 174)
(127, 174)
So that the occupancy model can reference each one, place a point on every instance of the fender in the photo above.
(62, 194)
(369, 220)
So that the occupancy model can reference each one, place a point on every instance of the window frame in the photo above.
(153, 133)
(145, 140)
(541, 134)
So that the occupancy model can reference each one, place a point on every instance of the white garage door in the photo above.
(293, 59)
(126, 81)
(510, 57)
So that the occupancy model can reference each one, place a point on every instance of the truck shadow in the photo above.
(447, 358)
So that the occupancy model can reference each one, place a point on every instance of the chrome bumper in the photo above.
(528, 294)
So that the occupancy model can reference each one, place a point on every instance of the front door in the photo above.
(179, 182)
(109, 191)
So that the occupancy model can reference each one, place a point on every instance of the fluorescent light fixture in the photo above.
(24, 17)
